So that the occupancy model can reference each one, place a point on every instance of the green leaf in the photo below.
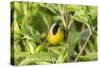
(91, 46)
(30, 46)
(73, 39)
(81, 16)
(61, 53)
(56, 51)
(16, 46)
(92, 11)
(45, 19)
(50, 9)
(15, 36)
(39, 48)
(32, 34)
(71, 7)
(40, 57)
(20, 54)
(15, 27)
(89, 57)
(60, 59)
(84, 34)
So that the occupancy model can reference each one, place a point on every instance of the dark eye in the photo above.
(55, 29)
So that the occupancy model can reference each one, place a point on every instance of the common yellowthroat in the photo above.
(55, 34)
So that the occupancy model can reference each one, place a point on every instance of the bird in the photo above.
(55, 34)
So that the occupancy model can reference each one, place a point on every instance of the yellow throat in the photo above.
(55, 38)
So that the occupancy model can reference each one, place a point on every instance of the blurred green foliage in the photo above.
(30, 23)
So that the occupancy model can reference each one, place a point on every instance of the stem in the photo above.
(69, 53)
(83, 47)
(70, 24)
(62, 17)
(65, 26)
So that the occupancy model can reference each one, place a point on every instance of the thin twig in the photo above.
(83, 47)
(62, 17)
(65, 26)
(70, 24)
